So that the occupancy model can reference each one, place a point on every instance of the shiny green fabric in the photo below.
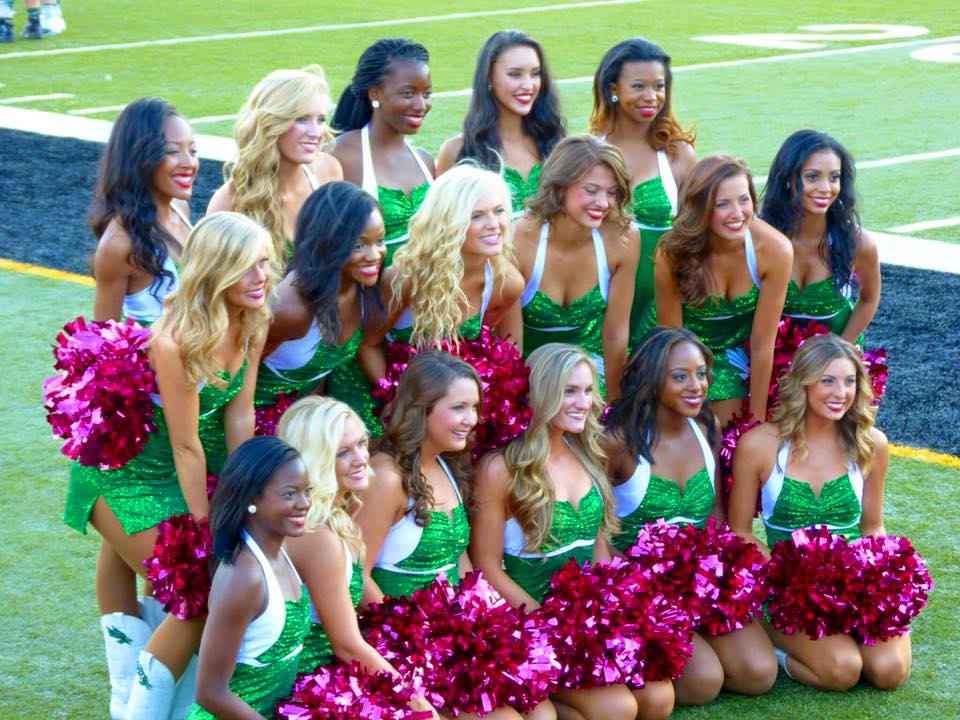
(798, 507)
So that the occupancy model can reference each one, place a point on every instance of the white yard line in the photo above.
(212, 119)
(917, 252)
(96, 110)
(886, 162)
(33, 98)
(926, 225)
(316, 28)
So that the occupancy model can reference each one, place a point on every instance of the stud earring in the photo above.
(375, 104)
(615, 98)
(252, 509)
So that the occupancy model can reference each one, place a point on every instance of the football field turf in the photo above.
(883, 77)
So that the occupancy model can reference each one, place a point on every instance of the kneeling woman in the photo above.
(662, 446)
(546, 499)
(821, 462)
(259, 613)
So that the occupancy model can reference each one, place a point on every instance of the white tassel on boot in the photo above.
(152, 695)
(186, 692)
(124, 637)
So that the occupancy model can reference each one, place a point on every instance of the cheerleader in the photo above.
(662, 458)
(514, 117)
(259, 611)
(723, 274)
(141, 219)
(579, 220)
(329, 556)
(280, 134)
(330, 294)
(546, 499)
(632, 109)
(204, 351)
(820, 462)
(810, 198)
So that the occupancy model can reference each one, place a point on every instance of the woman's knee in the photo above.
(840, 669)
(701, 681)
(753, 674)
(655, 701)
(887, 671)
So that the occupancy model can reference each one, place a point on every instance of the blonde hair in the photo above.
(220, 250)
(273, 106)
(532, 494)
(808, 366)
(430, 265)
(314, 425)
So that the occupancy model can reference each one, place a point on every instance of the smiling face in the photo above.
(642, 90)
(588, 200)
(684, 388)
(368, 252)
(833, 394)
(301, 142)
(250, 291)
(173, 177)
(515, 79)
(404, 96)
(453, 416)
(578, 394)
(732, 209)
(820, 182)
(283, 505)
(488, 226)
(353, 455)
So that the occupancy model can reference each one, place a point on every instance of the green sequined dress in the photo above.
(520, 188)
(573, 534)
(305, 379)
(145, 491)
(316, 646)
(820, 301)
(653, 215)
(398, 208)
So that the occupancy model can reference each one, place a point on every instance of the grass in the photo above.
(881, 104)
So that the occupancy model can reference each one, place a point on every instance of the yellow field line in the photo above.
(45, 272)
(924, 455)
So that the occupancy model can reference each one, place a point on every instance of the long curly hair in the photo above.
(272, 108)
(544, 124)
(665, 132)
(571, 159)
(124, 187)
(687, 243)
(314, 425)
(329, 223)
(634, 417)
(221, 249)
(783, 195)
(425, 382)
(430, 264)
(808, 366)
(354, 109)
(532, 494)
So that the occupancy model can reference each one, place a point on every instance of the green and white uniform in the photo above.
(646, 498)
(413, 556)
(520, 188)
(821, 301)
(267, 662)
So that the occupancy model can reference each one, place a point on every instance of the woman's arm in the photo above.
(384, 502)
(222, 200)
(748, 465)
(326, 168)
(505, 317)
(239, 417)
(867, 264)
(718, 511)
(236, 598)
(370, 353)
(775, 262)
(181, 408)
(487, 522)
(112, 270)
(346, 151)
(683, 162)
(666, 291)
(871, 517)
(447, 157)
(601, 549)
(616, 320)
(291, 318)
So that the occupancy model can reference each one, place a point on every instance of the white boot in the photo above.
(151, 611)
(152, 695)
(183, 699)
(124, 637)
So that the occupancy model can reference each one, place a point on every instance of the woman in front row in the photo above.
(662, 447)
(821, 462)
(546, 499)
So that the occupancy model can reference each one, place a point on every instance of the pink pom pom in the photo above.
(100, 402)
(346, 692)
(503, 375)
(179, 568)
(268, 416)
(891, 587)
(734, 430)
(611, 626)
(808, 578)
(472, 652)
(875, 361)
(211, 485)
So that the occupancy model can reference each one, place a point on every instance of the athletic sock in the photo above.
(782, 660)
(33, 14)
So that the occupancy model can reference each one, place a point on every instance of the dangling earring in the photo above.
(252, 509)
(614, 98)
(375, 104)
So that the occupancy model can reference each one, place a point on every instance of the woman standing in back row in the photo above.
(514, 118)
